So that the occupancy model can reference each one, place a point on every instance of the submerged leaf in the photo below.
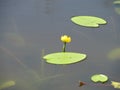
(81, 83)
(88, 21)
(115, 84)
(7, 84)
(64, 57)
(99, 78)
(116, 2)
(114, 54)
(14, 39)
(117, 10)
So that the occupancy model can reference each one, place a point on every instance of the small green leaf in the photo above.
(88, 21)
(64, 57)
(99, 78)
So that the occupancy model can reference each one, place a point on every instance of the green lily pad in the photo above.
(114, 54)
(88, 21)
(64, 57)
(99, 78)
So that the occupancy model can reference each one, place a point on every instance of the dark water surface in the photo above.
(29, 27)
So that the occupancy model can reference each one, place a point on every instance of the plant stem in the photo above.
(64, 46)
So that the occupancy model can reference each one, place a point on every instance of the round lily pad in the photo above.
(88, 21)
(64, 57)
(114, 54)
(99, 78)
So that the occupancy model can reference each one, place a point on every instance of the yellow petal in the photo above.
(65, 38)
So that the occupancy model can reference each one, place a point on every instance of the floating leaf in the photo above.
(99, 78)
(114, 54)
(88, 21)
(64, 57)
(7, 84)
(115, 84)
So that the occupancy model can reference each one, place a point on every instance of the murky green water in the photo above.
(29, 27)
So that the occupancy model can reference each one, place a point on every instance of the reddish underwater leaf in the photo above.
(81, 83)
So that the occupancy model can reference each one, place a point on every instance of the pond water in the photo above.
(30, 29)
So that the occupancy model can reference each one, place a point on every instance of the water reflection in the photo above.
(28, 26)
(49, 6)
(14, 39)
(26, 78)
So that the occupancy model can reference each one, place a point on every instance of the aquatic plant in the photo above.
(65, 39)
(14, 39)
(7, 84)
(81, 83)
(116, 2)
(99, 78)
(88, 21)
(64, 57)
(115, 84)
(114, 54)
(35, 79)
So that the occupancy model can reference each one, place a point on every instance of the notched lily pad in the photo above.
(64, 57)
(88, 21)
(99, 78)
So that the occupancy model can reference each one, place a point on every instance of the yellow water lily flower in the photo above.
(66, 39)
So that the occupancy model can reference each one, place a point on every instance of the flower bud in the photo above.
(66, 39)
